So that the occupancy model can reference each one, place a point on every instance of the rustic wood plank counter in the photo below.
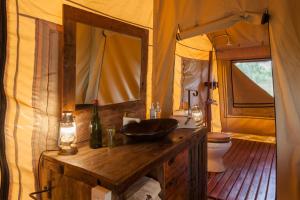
(119, 167)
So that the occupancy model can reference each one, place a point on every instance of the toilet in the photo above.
(217, 145)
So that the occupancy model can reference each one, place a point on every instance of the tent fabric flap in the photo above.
(285, 45)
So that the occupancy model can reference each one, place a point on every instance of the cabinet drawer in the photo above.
(176, 165)
(177, 188)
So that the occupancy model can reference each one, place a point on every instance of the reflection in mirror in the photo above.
(108, 66)
(191, 70)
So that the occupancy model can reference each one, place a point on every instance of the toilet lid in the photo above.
(218, 137)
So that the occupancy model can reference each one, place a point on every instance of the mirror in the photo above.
(104, 59)
(108, 66)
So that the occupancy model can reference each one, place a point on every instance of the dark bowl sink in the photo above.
(149, 129)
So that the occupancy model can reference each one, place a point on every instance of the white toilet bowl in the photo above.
(218, 144)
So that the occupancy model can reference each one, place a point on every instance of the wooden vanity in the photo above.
(178, 162)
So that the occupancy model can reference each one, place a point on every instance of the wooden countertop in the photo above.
(117, 168)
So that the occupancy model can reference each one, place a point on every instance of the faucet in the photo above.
(195, 94)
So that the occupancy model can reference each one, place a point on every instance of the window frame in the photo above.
(253, 111)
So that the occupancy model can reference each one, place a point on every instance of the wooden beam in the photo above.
(209, 97)
(244, 53)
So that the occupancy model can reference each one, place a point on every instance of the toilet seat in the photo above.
(218, 145)
(218, 138)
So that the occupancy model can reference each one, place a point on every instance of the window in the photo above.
(260, 72)
(252, 83)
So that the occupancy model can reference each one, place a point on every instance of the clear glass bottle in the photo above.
(95, 128)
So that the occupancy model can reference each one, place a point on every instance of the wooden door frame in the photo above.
(3, 162)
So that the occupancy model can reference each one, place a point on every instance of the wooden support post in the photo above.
(208, 103)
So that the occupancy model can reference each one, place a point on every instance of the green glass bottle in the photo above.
(95, 128)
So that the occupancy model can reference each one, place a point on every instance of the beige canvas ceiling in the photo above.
(32, 122)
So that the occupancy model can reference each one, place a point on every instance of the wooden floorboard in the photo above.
(250, 174)
(258, 174)
(235, 190)
(218, 190)
(215, 178)
(266, 173)
(272, 181)
(245, 153)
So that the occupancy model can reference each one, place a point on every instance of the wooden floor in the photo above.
(250, 174)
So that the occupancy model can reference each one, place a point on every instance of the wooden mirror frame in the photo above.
(71, 16)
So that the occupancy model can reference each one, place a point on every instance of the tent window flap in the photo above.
(252, 83)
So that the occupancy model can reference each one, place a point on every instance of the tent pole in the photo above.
(209, 88)
(3, 162)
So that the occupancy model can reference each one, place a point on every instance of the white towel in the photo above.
(144, 189)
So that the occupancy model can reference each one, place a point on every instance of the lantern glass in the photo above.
(67, 137)
(197, 115)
